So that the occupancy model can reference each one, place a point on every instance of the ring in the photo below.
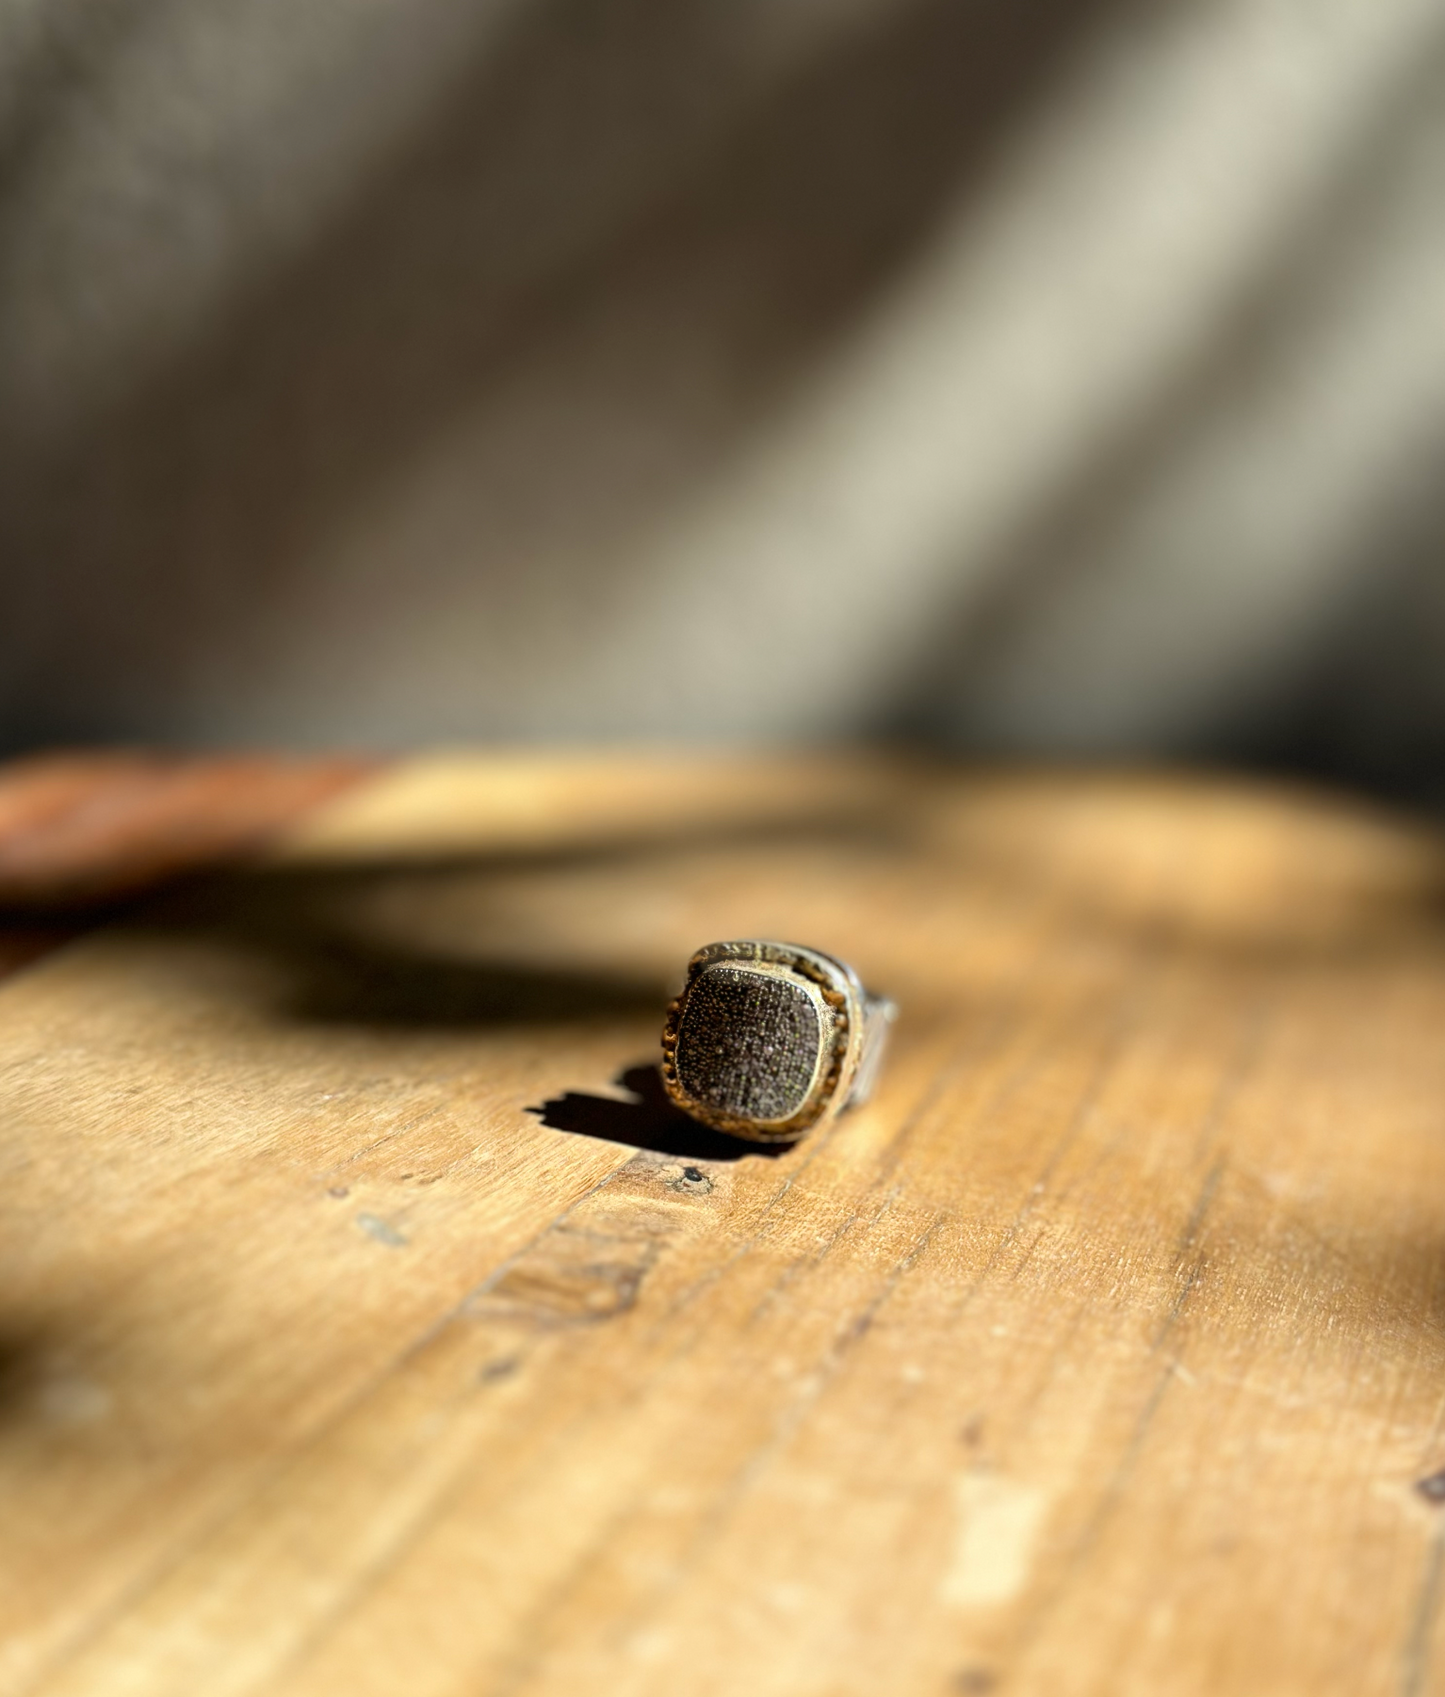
(768, 1039)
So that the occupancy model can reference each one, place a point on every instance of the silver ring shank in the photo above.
(878, 1015)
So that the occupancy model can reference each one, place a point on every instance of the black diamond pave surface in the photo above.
(747, 1043)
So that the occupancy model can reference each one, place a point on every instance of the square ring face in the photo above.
(763, 1041)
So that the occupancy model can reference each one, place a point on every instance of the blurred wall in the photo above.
(1045, 375)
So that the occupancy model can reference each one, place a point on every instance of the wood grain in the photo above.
(362, 1334)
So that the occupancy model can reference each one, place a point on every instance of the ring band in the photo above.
(768, 1039)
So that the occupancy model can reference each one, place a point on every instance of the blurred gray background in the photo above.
(1047, 376)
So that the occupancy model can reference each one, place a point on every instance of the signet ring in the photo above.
(768, 1040)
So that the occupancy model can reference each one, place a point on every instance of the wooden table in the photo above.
(362, 1333)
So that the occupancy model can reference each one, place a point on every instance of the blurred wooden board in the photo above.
(83, 828)
(360, 1334)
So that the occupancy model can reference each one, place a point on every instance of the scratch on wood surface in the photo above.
(1202, 1204)
(402, 1128)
